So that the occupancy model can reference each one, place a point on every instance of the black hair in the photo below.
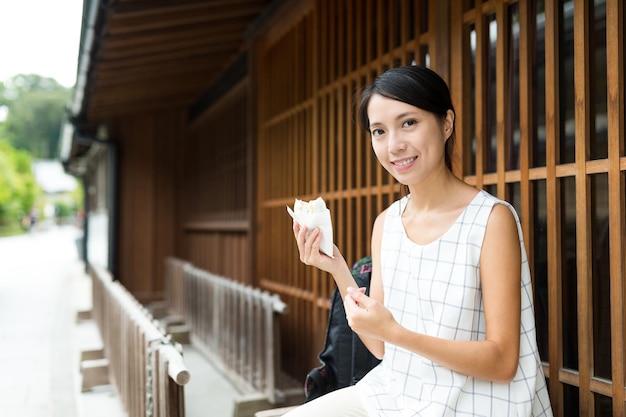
(415, 85)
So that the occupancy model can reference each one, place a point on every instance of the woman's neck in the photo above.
(437, 193)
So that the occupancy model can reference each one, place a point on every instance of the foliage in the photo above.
(36, 107)
(18, 189)
(32, 110)
(78, 197)
(69, 205)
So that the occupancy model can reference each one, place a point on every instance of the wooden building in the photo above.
(195, 122)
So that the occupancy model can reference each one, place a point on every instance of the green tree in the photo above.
(36, 107)
(18, 189)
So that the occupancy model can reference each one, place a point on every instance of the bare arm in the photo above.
(375, 345)
(496, 358)
(309, 248)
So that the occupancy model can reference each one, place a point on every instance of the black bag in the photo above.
(344, 359)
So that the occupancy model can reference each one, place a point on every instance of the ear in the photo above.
(448, 124)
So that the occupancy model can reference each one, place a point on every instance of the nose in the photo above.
(396, 142)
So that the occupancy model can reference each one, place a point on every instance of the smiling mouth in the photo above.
(404, 162)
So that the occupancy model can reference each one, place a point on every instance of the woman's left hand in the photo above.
(366, 316)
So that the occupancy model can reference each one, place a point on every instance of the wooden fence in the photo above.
(234, 325)
(145, 367)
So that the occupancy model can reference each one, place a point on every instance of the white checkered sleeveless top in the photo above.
(435, 289)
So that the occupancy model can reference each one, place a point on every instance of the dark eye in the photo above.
(377, 132)
(409, 122)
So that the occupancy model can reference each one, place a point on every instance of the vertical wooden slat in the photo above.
(369, 56)
(617, 201)
(340, 139)
(348, 128)
(317, 62)
(342, 44)
(526, 123)
(583, 211)
(347, 121)
(502, 104)
(439, 38)
(481, 94)
(332, 47)
(360, 39)
(359, 137)
(404, 17)
(392, 23)
(378, 53)
(459, 84)
(417, 27)
(381, 63)
(553, 190)
(331, 140)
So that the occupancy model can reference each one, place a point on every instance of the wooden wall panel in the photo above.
(571, 134)
(309, 146)
(530, 122)
(215, 208)
(169, 131)
(147, 199)
(223, 253)
(136, 201)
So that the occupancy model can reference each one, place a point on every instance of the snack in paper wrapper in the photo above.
(315, 214)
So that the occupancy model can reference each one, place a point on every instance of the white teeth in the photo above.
(405, 162)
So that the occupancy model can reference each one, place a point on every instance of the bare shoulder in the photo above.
(502, 218)
(378, 225)
(380, 219)
(502, 233)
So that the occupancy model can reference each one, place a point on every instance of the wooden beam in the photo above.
(553, 201)
(617, 199)
(583, 210)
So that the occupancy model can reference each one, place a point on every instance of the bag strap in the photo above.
(362, 360)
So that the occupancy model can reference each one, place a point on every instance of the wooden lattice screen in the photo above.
(309, 145)
(543, 124)
(539, 92)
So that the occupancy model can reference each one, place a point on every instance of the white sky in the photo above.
(40, 37)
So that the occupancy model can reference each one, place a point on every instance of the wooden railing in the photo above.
(234, 325)
(175, 298)
(145, 366)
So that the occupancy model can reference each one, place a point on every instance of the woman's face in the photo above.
(409, 142)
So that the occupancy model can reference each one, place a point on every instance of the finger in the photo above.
(357, 293)
(350, 306)
(312, 246)
(362, 300)
(312, 241)
(303, 233)
(301, 239)
(296, 229)
(355, 296)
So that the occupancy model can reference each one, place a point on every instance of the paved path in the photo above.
(42, 286)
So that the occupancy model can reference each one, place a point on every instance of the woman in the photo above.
(450, 307)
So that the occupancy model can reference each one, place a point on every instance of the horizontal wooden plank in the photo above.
(218, 226)
(176, 17)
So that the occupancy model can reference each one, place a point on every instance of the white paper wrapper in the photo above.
(315, 214)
